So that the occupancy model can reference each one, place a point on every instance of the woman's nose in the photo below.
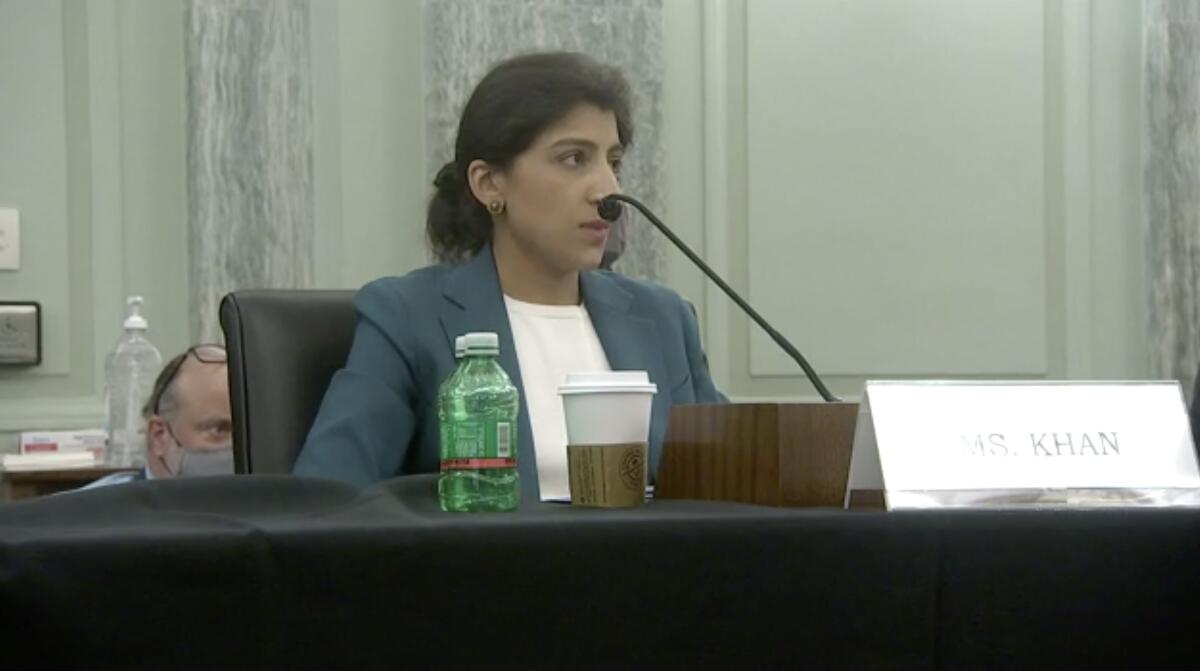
(607, 184)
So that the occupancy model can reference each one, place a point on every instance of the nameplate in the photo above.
(1024, 444)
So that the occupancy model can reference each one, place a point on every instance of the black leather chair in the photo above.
(284, 346)
(1194, 414)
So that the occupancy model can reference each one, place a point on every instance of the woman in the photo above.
(515, 226)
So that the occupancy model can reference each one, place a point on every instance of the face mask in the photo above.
(195, 462)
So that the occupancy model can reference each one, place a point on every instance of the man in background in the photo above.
(189, 430)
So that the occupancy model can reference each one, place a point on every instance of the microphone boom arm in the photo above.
(613, 210)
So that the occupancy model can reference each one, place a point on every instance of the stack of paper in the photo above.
(38, 461)
(75, 440)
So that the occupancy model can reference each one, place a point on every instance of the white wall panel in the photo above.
(896, 189)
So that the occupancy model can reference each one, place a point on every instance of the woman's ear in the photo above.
(486, 183)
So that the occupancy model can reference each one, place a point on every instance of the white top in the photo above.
(551, 341)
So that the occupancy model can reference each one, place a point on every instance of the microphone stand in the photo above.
(610, 209)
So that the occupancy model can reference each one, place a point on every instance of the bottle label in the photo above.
(476, 464)
(479, 446)
(504, 440)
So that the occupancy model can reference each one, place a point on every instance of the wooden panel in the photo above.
(795, 454)
(721, 452)
(815, 457)
(17, 485)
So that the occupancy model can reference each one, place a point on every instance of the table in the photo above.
(281, 572)
(17, 485)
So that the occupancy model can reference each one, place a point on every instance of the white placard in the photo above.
(988, 444)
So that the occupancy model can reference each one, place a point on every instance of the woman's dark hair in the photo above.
(514, 103)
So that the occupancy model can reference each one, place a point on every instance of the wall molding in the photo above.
(103, 219)
(85, 412)
(715, 74)
(1076, 92)
(1093, 263)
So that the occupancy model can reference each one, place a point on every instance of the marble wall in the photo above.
(250, 123)
(1172, 185)
(465, 37)
(249, 151)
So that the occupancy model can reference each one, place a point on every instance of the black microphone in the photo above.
(610, 210)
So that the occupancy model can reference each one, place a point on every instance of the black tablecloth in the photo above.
(278, 572)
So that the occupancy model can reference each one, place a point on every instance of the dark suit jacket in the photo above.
(379, 417)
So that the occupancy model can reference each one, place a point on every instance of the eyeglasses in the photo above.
(205, 353)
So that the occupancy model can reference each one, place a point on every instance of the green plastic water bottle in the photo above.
(477, 422)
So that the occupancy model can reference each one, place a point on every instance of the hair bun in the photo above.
(447, 177)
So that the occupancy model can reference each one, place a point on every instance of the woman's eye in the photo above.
(573, 159)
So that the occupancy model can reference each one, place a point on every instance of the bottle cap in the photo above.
(460, 347)
(135, 321)
(486, 344)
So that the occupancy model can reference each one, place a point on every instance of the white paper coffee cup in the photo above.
(607, 408)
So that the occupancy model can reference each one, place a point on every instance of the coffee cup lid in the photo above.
(618, 381)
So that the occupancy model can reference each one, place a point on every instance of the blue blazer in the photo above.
(379, 416)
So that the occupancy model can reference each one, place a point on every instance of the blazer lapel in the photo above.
(630, 341)
(473, 303)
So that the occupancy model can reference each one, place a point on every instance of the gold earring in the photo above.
(496, 207)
